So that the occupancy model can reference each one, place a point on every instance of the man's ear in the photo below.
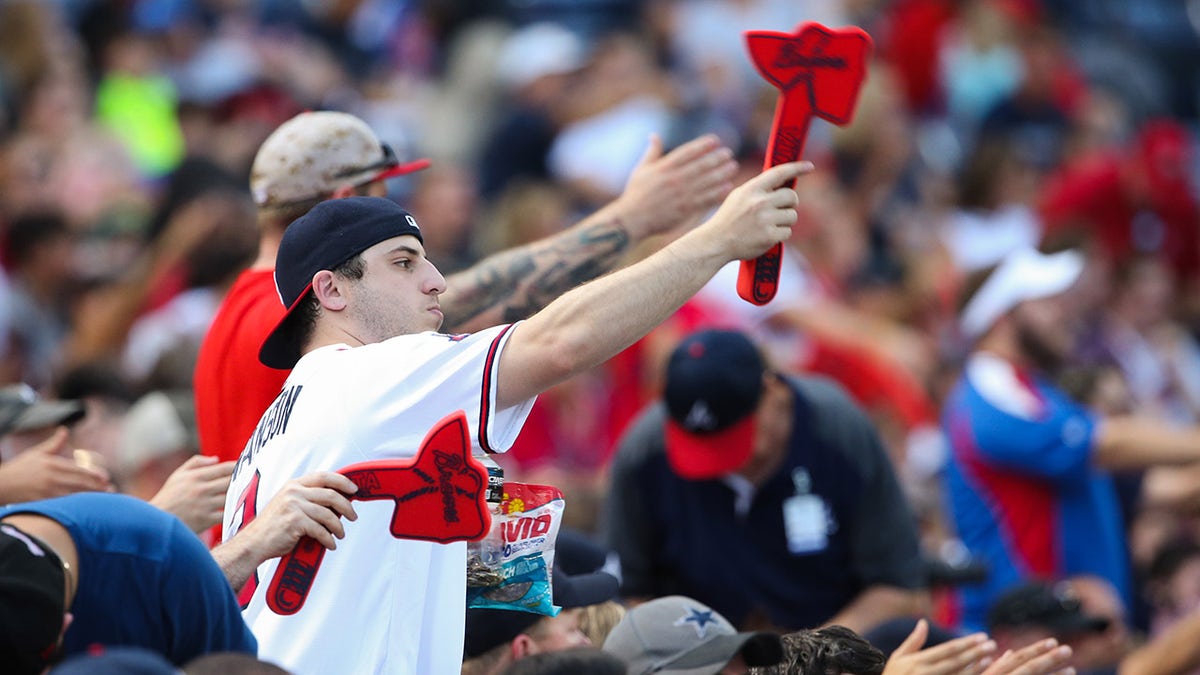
(343, 191)
(522, 646)
(328, 290)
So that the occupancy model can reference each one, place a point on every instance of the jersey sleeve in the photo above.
(1053, 441)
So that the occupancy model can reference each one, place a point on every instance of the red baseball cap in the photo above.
(714, 382)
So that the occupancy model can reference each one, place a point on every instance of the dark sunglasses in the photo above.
(389, 160)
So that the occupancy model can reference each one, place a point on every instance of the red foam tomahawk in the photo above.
(438, 496)
(818, 72)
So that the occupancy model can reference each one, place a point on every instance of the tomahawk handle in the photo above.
(758, 279)
(294, 577)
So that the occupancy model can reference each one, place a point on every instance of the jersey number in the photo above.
(247, 503)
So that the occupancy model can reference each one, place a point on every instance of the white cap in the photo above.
(1023, 275)
(538, 50)
(154, 427)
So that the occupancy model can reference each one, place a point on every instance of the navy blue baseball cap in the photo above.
(32, 602)
(331, 233)
(118, 661)
(714, 382)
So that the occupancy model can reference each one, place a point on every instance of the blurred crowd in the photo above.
(128, 127)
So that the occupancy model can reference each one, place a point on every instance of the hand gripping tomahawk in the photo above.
(818, 72)
(437, 496)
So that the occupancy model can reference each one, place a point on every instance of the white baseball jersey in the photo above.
(377, 604)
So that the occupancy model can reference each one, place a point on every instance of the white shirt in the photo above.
(377, 604)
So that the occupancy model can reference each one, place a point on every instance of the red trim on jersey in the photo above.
(1024, 509)
(485, 398)
(1026, 381)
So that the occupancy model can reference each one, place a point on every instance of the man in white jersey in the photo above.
(373, 382)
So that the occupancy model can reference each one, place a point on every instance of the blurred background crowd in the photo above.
(127, 129)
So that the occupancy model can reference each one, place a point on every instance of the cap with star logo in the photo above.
(676, 635)
(714, 381)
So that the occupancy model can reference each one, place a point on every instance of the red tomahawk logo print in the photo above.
(818, 72)
(438, 497)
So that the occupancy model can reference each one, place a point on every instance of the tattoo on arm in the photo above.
(514, 284)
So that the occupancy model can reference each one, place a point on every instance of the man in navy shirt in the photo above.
(127, 574)
(766, 496)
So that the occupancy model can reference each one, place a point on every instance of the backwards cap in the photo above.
(314, 153)
(331, 233)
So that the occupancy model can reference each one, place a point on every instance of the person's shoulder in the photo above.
(998, 384)
(96, 508)
(432, 341)
(252, 297)
(833, 417)
(254, 282)
(643, 439)
(824, 395)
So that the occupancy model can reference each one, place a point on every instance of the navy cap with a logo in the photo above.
(330, 234)
(714, 382)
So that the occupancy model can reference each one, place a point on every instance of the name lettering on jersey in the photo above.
(272, 423)
(438, 496)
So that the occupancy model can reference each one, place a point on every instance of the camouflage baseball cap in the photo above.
(314, 153)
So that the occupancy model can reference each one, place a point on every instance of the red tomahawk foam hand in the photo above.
(818, 72)
(437, 496)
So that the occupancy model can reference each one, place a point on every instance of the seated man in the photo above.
(767, 496)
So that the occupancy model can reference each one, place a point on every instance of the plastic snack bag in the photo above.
(510, 568)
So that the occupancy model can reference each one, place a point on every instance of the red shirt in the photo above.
(232, 388)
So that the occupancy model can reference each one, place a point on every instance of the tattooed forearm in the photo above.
(514, 284)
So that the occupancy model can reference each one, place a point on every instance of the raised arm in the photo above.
(590, 324)
(1133, 442)
(664, 192)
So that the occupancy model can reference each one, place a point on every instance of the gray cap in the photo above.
(676, 635)
(21, 409)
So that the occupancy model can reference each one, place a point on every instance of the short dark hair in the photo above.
(299, 325)
(584, 661)
(832, 650)
(231, 663)
(29, 232)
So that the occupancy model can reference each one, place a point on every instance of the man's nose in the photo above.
(436, 283)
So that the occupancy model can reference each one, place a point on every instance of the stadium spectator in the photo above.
(1021, 449)
(785, 473)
